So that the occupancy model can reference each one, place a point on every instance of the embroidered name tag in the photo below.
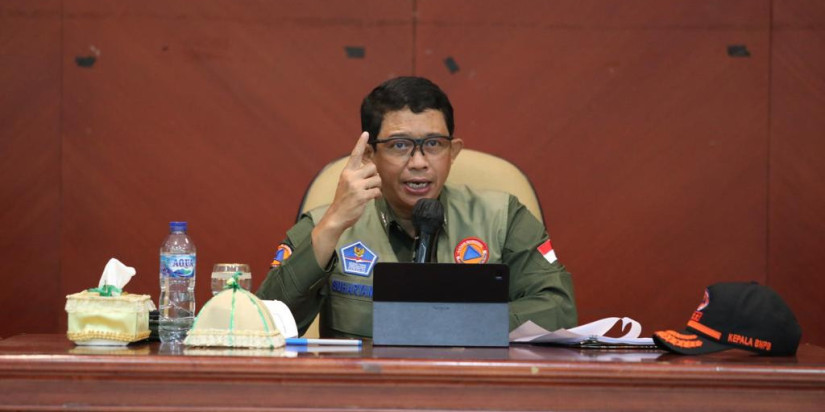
(352, 289)
(358, 259)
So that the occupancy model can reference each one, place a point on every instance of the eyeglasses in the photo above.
(402, 147)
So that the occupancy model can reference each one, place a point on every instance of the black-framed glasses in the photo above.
(405, 146)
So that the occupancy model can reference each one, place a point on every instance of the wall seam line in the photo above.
(60, 190)
(768, 147)
(414, 37)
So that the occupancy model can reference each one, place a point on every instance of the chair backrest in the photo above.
(471, 167)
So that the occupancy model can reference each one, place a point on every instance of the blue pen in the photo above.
(332, 342)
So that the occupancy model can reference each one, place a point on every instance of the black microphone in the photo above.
(427, 218)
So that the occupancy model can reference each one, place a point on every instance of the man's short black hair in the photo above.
(416, 93)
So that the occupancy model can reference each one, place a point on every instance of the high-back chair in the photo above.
(471, 167)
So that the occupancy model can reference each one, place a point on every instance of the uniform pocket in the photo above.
(349, 315)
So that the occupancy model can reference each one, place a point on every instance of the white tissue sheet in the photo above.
(283, 318)
(116, 274)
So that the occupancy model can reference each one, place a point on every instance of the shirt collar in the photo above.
(387, 217)
(384, 214)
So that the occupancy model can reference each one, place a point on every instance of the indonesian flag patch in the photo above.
(546, 250)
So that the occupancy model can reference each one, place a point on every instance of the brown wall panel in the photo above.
(30, 167)
(601, 14)
(646, 142)
(798, 14)
(797, 195)
(219, 114)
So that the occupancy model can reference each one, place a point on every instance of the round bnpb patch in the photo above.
(281, 254)
(471, 250)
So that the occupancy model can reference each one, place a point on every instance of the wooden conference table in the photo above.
(50, 372)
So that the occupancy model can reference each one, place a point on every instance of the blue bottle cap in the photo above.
(177, 226)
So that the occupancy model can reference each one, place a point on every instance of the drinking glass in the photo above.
(221, 272)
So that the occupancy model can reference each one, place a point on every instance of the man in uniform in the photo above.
(404, 154)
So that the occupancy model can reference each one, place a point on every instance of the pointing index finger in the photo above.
(358, 151)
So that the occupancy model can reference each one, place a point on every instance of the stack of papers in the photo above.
(588, 335)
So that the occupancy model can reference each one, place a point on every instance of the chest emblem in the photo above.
(358, 259)
(471, 250)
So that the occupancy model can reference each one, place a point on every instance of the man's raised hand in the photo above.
(358, 184)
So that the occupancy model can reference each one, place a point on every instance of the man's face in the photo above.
(406, 179)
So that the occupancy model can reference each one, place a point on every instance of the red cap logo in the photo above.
(705, 301)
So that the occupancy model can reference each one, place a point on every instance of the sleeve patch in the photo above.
(281, 254)
(546, 250)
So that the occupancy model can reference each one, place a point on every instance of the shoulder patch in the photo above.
(471, 250)
(358, 259)
(546, 250)
(281, 254)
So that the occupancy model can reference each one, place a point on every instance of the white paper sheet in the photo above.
(588, 334)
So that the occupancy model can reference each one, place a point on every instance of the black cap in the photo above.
(736, 315)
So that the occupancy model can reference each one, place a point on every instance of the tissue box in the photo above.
(108, 320)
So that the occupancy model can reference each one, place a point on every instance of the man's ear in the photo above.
(455, 147)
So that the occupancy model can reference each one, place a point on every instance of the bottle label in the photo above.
(178, 266)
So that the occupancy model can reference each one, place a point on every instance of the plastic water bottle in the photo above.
(177, 284)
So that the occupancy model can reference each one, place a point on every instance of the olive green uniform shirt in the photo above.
(540, 291)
